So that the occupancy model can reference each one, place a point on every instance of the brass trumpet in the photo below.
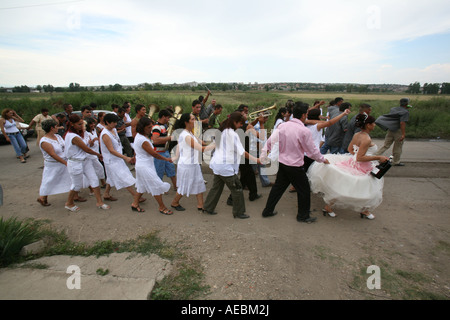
(153, 108)
(264, 112)
(176, 115)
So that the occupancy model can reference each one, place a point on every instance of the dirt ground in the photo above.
(274, 258)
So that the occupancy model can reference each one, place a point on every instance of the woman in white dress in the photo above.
(100, 124)
(92, 141)
(118, 174)
(79, 169)
(55, 177)
(189, 154)
(147, 180)
(346, 182)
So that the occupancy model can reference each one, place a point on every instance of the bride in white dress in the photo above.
(347, 182)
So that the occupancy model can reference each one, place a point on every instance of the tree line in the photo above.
(413, 88)
(429, 88)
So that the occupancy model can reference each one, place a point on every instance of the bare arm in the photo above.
(157, 139)
(252, 158)
(148, 148)
(80, 143)
(108, 143)
(51, 152)
(403, 129)
(363, 147)
(325, 124)
(17, 117)
(31, 124)
(2, 127)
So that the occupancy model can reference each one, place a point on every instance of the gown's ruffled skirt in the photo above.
(346, 183)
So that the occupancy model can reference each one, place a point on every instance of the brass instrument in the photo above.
(264, 112)
(176, 115)
(153, 108)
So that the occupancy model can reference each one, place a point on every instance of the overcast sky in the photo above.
(99, 42)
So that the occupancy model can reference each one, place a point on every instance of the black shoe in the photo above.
(230, 201)
(271, 214)
(209, 212)
(307, 220)
(242, 216)
(256, 197)
(178, 208)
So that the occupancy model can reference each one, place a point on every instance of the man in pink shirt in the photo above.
(294, 142)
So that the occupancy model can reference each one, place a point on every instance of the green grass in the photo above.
(430, 117)
(14, 235)
(397, 284)
(185, 283)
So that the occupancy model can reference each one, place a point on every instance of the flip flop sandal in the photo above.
(110, 198)
(73, 209)
(137, 209)
(42, 202)
(178, 208)
(104, 207)
(166, 211)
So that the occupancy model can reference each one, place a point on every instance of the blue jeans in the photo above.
(264, 179)
(334, 150)
(162, 166)
(18, 142)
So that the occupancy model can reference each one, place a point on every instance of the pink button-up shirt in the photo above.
(294, 141)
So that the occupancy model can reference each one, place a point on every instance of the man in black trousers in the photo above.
(295, 141)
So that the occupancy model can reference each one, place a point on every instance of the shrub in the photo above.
(14, 235)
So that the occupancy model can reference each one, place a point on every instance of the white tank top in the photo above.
(10, 127)
(58, 146)
(73, 152)
(117, 145)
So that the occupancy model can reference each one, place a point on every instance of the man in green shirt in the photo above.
(214, 118)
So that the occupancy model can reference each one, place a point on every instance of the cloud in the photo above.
(176, 41)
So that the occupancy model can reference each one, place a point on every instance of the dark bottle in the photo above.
(380, 170)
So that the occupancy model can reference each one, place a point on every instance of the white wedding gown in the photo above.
(346, 183)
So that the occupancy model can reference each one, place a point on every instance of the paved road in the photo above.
(430, 156)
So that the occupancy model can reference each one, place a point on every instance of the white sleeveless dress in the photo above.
(55, 177)
(346, 183)
(189, 174)
(117, 173)
(147, 180)
(96, 164)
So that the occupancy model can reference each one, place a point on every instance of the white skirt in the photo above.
(190, 179)
(147, 180)
(342, 189)
(55, 179)
(98, 167)
(82, 174)
(118, 175)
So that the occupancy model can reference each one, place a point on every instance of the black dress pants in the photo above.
(297, 177)
(248, 180)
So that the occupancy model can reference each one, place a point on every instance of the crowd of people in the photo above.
(314, 151)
